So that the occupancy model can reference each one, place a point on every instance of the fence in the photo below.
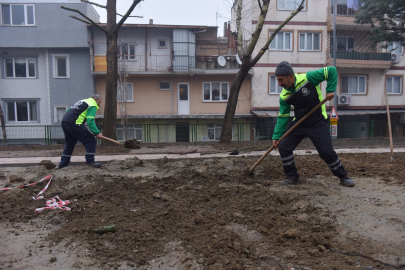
(181, 132)
(45, 135)
(346, 129)
(186, 132)
(361, 55)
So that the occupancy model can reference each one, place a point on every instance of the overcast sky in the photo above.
(177, 12)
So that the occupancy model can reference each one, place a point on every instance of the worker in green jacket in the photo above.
(73, 126)
(302, 91)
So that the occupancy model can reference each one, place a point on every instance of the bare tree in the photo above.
(111, 32)
(245, 53)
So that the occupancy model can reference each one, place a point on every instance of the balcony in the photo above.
(135, 63)
(361, 59)
(147, 63)
(343, 10)
(345, 16)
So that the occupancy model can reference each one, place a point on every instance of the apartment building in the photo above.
(364, 72)
(44, 64)
(173, 83)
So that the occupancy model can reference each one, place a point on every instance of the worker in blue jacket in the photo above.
(73, 126)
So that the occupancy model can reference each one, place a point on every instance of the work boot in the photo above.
(95, 164)
(291, 180)
(346, 181)
(60, 167)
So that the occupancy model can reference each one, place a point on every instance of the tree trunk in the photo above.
(3, 126)
(110, 101)
(226, 132)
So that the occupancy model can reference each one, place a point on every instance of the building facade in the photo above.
(173, 83)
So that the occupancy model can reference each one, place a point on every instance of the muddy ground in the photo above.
(207, 213)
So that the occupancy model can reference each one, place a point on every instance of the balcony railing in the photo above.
(361, 56)
(142, 63)
(343, 10)
(135, 63)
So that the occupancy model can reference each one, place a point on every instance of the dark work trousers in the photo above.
(320, 136)
(74, 133)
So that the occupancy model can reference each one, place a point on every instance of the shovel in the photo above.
(132, 144)
(286, 134)
(111, 140)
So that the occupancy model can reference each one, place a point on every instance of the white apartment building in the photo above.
(364, 72)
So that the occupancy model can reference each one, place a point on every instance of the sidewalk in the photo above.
(28, 161)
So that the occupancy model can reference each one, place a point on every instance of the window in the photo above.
(215, 91)
(127, 95)
(61, 66)
(18, 14)
(347, 7)
(165, 86)
(59, 113)
(354, 84)
(289, 4)
(274, 88)
(162, 44)
(20, 67)
(133, 132)
(22, 111)
(127, 51)
(214, 131)
(310, 41)
(395, 47)
(394, 84)
(282, 41)
(344, 44)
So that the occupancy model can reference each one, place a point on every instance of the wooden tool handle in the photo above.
(288, 132)
(111, 140)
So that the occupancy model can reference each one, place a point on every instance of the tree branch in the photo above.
(92, 3)
(259, 27)
(90, 21)
(238, 26)
(131, 8)
(266, 46)
(130, 16)
(74, 17)
(88, 2)
(260, 6)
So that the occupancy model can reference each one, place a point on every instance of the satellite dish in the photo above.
(221, 61)
(238, 59)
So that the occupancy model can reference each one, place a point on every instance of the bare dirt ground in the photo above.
(206, 213)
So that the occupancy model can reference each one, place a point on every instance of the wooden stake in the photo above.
(389, 125)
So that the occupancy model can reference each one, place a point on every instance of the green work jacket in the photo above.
(304, 96)
(81, 112)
